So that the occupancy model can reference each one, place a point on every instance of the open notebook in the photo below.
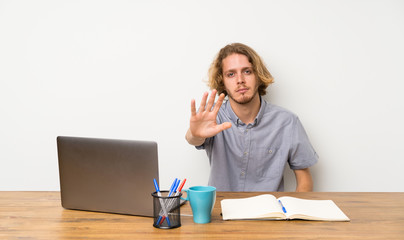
(267, 206)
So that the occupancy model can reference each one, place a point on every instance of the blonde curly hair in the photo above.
(264, 77)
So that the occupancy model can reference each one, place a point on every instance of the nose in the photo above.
(240, 78)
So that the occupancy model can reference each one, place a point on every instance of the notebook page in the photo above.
(316, 209)
(250, 208)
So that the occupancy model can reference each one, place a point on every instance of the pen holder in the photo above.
(166, 210)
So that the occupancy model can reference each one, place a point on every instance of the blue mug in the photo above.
(202, 200)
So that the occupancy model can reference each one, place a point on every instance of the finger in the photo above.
(218, 103)
(193, 108)
(224, 126)
(203, 102)
(211, 100)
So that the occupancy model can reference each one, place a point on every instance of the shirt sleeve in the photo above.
(302, 154)
(204, 145)
(201, 147)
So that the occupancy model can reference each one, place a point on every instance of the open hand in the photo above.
(203, 123)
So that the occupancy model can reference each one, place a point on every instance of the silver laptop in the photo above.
(106, 175)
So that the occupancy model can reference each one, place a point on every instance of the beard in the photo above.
(243, 99)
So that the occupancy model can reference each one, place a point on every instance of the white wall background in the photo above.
(129, 69)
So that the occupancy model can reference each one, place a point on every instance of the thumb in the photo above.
(225, 125)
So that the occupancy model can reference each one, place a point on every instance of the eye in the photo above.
(248, 72)
(230, 74)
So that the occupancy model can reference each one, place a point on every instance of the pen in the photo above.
(173, 187)
(283, 208)
(161, 219)
(181, 186)
(163, 207)
(171, 203)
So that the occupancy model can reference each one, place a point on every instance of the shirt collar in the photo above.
(237, 121)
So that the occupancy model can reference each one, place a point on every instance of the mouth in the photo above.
(242, 90)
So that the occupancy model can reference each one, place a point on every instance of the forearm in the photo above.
(304, 181)
(193, 140)
(304, 187)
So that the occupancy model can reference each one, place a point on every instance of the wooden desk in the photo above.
(39, 215)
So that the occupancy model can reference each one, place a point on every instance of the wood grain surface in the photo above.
(39, 215)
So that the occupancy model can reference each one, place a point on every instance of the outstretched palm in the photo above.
(203, 123)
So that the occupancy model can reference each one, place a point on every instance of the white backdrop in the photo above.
(129, 69)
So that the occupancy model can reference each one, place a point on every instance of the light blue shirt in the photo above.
(253, 157)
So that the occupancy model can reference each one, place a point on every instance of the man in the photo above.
(248, 141)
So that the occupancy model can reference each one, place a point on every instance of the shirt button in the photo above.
(245, 153)
(242, 173)
(270, 151)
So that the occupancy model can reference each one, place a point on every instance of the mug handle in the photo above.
(187, 198)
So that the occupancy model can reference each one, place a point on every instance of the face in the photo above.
(239, 79)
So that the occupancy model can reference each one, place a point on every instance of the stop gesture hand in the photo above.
(203, 122)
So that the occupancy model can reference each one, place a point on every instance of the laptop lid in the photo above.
(107, 175)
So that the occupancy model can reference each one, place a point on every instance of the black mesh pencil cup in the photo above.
(166, 210)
